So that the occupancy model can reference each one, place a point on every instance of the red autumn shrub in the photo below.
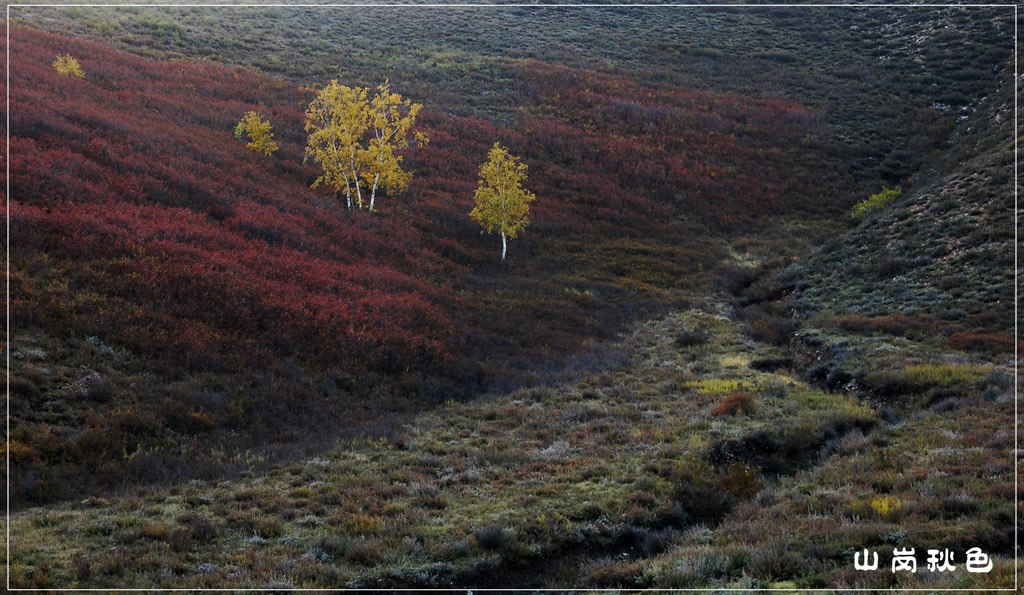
(983, 342)
(898, 325)
(737, 404)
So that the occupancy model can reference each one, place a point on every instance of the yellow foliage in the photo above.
(354, 139)
(391, 119)
(884, 505)
(68, 66)
(716, 386)
(259, 132)
(336, 122)
(502, 204)
(875, 201)
(19, 452)
(888, 508)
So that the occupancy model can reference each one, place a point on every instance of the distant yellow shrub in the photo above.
(875, 201)
(259, 130)
(887, 508)
(884, 505)
(68, 66)
(19, 452)
(716, 386)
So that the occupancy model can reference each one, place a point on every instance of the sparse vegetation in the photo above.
(460, 489)
(704, 370)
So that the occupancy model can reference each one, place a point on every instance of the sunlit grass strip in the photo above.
(716, 386)
(944, 374)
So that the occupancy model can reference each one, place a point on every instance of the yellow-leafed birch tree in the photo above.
(259, 133)
(336, 122)
(68, 66)
(355, 139)
(391, 120)
(502, 204)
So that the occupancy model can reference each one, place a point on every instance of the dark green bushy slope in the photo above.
(943, 250)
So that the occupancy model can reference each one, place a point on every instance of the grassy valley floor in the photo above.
(706, 460)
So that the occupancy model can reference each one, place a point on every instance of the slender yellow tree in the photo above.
(391, 120)
(259, 132)
(336, 121)
(502, 204)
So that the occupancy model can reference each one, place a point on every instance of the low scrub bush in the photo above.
(180, 540)
(692, 338)
(737, 404)
(875, 202)
(898, 325)
(889, 267)
(612, 573)
(823, 417)
(981, 342)
(885, 508)
(364, 553)
(740, 480)
(919, 378)
(694, 569)
(705, 504)
(491, 537)
(357, 525)
(774, 562)
(771, 364)
(202, 529)
(715, 386)
(769, 324)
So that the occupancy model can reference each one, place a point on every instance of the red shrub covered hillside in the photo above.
(176, 239)
(162, 233)
(137, 218)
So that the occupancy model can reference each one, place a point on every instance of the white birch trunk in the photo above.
(373, 193)
(504, 246)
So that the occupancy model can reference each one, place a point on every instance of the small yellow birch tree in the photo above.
(391, 120)
(502, 204)
(336, 121)
(259, 132)
(68, 66)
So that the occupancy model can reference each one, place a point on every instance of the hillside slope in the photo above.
(888, 81)
(175, 293)
(943, 251)
(191, 324)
